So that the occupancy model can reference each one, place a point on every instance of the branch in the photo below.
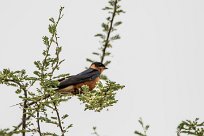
(109, 32)
(108, 27)
(58, 118)
(24, 113)
(38, 123)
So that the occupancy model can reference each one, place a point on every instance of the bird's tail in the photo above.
(66, 90)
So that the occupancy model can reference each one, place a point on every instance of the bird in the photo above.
(89, 77)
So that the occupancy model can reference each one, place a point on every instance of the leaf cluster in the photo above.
(144, 127)
(18, 79)
(101, 97)
(189, 127)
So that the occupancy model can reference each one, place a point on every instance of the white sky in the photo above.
(159, 59)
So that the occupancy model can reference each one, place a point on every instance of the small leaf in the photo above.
(52, 28)
(18, 91)
(120, 11)
(95, 53)
(37, 73)
(55, 118)
(107, 53)
(38, 64)
(58, 49)
(52, 20)
(139, 133)
(105, 27)
(147, 127)
(45, 40)
(116, 37)
(107, 8)
(65, 116)
(118, 23)
(107, 62)
(89, 60)
(100, 35)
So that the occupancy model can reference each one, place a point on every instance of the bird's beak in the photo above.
(105, 68)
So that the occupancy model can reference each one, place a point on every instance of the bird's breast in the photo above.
(91, 84)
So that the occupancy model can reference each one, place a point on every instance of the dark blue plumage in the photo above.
(87, 75)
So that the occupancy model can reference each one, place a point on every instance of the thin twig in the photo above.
(24, 113)
(50, 43)
(58, 118)
(38, 123)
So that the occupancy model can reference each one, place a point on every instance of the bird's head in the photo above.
(98, 66)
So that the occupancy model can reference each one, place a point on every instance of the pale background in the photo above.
(159, 59)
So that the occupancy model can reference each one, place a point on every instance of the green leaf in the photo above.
(18, 91)
(107, 8)
(52, 20)
(118, 23)
(52, 28)
(58, 49)
(65, 116)
(100, 35)
(38, 64)
(120, 11)
(139, 133)
(107, 63)
(116, 37)
(105, 27)
(89, 60)
(37, 73)
(95, 53)
(55, 118)
(45, 40)
(107, 54)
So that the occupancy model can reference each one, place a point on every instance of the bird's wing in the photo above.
(87, 75)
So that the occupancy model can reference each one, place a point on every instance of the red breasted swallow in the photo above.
(89, 77)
